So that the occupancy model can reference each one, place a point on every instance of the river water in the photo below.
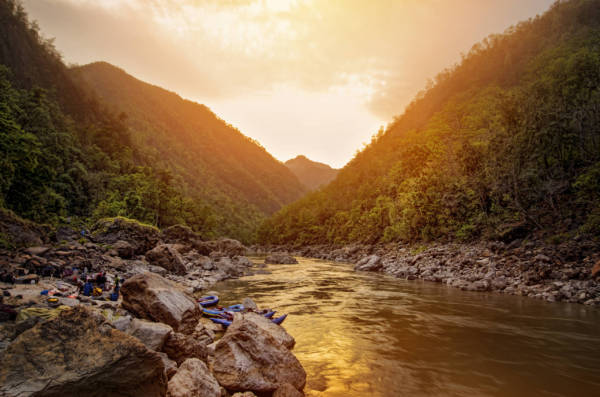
(367, 334)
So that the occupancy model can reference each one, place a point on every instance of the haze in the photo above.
(312, 77)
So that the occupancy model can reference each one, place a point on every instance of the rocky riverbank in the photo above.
(151, 340)
(568, 272)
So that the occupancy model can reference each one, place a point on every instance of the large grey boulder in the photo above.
(166, 256)
(152, 297)
(369, 263)
(280, 258)
(180, 347)
(78, 354)
(141, 237)
(151, 334)
(250, 357)
(193, 379)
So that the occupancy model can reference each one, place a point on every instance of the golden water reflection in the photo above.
(360, 334)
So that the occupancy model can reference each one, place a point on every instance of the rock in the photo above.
(141, 237)
(193, 379)
(180, 234)
(170, 365)
(152, 335)
(180, 347)
(166, 256)
(229, 246)
(18, 232)
(249, 304)
(276, 331)
(124, 249)
(287, 390)
(249, 359)
(37, 251)
(369, 264)
(152, 297)
(244, 394)
(203, 334)
(227, 266)
(596, 269)
(280, 258)
(77, 353)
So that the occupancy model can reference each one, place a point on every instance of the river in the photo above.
(367, 334)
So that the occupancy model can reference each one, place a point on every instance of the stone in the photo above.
(170, 365)
(37, 251)
(141, 237)
(287, 390)
(249, 359)
(152, 297)
(280, 258)
(369, 264)
(193, 379)
(276, 331)
(244, 394)
(180, 234)
(249, 304)
(166, 256)
(180, 347)
(596, 270)
(76, 354)
(151, 334)
(124, 249)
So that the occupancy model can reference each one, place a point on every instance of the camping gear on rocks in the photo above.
(219, 311)
(41, 312)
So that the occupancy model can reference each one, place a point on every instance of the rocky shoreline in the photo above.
(56, 340)
(567, 272)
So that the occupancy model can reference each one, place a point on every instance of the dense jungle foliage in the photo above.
(503, 144)
(66, 157)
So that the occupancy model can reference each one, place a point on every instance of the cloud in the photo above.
(379, 52)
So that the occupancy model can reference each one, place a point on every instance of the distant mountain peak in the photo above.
(311, 174)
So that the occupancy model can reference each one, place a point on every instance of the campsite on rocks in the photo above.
(384, 198)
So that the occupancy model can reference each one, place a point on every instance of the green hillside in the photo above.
(504, 144)
(68, 156)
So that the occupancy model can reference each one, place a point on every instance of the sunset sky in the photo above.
(312, 77)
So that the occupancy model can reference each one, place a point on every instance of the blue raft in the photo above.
(210, 300)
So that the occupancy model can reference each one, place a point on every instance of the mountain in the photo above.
(310, 173)
(78, 144)
(502, 145)
(215, 160)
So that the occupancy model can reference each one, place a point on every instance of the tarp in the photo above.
(42, 312)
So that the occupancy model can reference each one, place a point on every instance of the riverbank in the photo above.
(114, 312)
(568, 272)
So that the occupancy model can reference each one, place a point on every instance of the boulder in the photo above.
(124, 249)
(166, 256)
(280, 258)
(248, 358)
(170, 365)
(78, 354)
(18, 232)
(141, 237)
(287, 390)
(152, 297)
(274, 330)
(369, 263)
(249, 304)
(37, 251)
(152, 335)
(180, 234)
(244, 394)
(180, 347)
(193, 379)
(596, 269)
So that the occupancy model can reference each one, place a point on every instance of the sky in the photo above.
(311, 77)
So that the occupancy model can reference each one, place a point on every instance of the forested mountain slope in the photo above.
(505, 143)
(65, 156)
(311, 174)
(209, 153)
